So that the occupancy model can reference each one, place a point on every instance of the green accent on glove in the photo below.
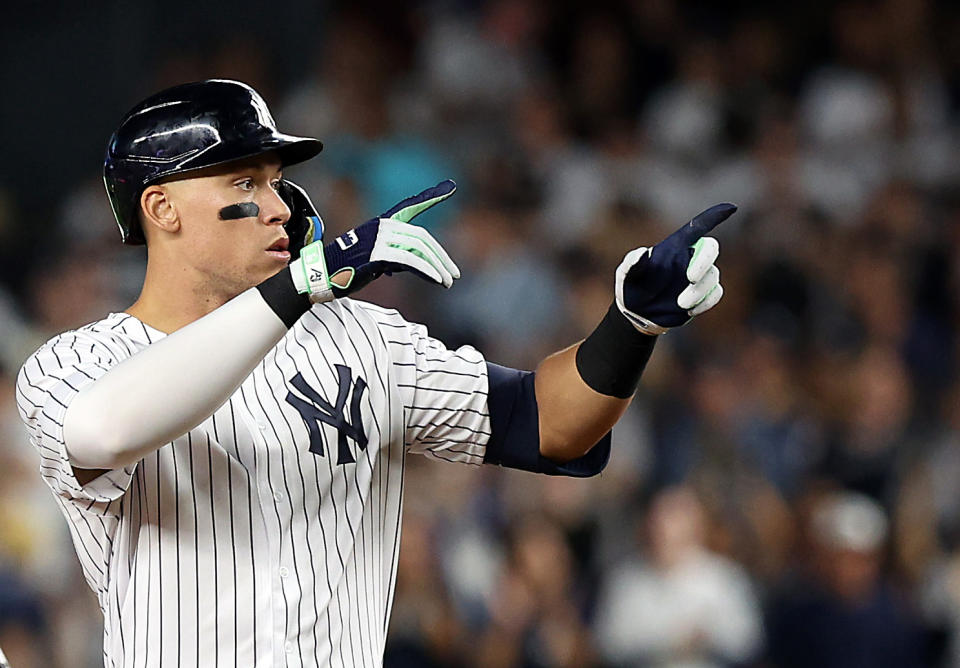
(407, 214)
(413, 251)
(697, 247)
(424, 239)
(308, 235)
(353, 272)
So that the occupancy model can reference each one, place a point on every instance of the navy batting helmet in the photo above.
(189, 127)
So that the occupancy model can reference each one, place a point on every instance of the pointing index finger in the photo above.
(704, 222)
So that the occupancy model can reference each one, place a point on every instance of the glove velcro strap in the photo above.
(309, 273)
(612, 359)
(648, 327)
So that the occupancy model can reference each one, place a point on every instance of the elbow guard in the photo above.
(515, 429)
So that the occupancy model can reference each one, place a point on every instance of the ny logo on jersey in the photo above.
(318, 410)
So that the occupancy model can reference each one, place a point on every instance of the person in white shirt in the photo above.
(681, 605)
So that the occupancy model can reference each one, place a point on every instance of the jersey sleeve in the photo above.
(47, 383)
(459, 407)
(443, 391)
(446, 410)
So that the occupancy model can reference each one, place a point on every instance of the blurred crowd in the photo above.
(784, 490)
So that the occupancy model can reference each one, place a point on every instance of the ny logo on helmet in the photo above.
(316, 409)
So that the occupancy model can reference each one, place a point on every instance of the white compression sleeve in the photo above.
(171, 386)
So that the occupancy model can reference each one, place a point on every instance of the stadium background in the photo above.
(784, 490)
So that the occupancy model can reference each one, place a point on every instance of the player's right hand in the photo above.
(665, 286)
(379, 246)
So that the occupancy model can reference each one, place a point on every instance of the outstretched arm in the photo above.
(583, 390)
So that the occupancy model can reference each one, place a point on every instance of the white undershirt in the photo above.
(183, 378)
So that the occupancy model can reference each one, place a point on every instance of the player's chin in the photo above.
(267, 269)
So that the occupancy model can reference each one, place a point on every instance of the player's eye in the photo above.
(245, 184)
(275, 185)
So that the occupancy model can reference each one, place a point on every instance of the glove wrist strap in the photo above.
(282, 297)
(612, 359)
(643, 325)
(309, 273)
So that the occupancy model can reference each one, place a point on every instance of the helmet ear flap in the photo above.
(305, 225)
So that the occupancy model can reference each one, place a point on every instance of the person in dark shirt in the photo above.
(843, 613)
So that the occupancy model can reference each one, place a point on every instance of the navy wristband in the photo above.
(281, 295)
(612, 359)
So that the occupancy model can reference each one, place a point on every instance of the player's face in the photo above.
(233, 254)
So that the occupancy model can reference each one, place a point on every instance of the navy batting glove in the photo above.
(380, 245)
(665, 286)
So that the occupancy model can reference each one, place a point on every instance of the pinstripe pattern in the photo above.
(235, 545)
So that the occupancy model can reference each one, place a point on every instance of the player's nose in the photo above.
(274, 211)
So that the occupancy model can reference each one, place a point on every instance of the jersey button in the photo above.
(262, 426)
(278, 496)
(288, 647)
(284, 572)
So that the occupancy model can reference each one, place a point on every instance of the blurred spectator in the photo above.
(842, 610)
(867, 448)
(685, 118)
(355, 104)
(495, 258)
(535, 618)
(23, 626)
(680, 604)
(478, 64)
(425, 631)
(930, 527)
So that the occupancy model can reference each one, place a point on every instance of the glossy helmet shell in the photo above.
(185, 128)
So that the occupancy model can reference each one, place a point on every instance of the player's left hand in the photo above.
(665, 286)
(379, 246)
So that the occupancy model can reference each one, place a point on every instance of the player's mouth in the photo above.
(278, 249)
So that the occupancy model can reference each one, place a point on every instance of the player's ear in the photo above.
(158, 209)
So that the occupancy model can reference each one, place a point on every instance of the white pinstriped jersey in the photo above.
(268, 535)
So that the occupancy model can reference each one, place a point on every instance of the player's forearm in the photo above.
(167, 389)
(573, 417)
(582, 391)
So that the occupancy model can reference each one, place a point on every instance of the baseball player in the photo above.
(229, 451)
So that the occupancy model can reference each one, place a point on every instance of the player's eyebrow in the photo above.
(258, 169)
(246, 166)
